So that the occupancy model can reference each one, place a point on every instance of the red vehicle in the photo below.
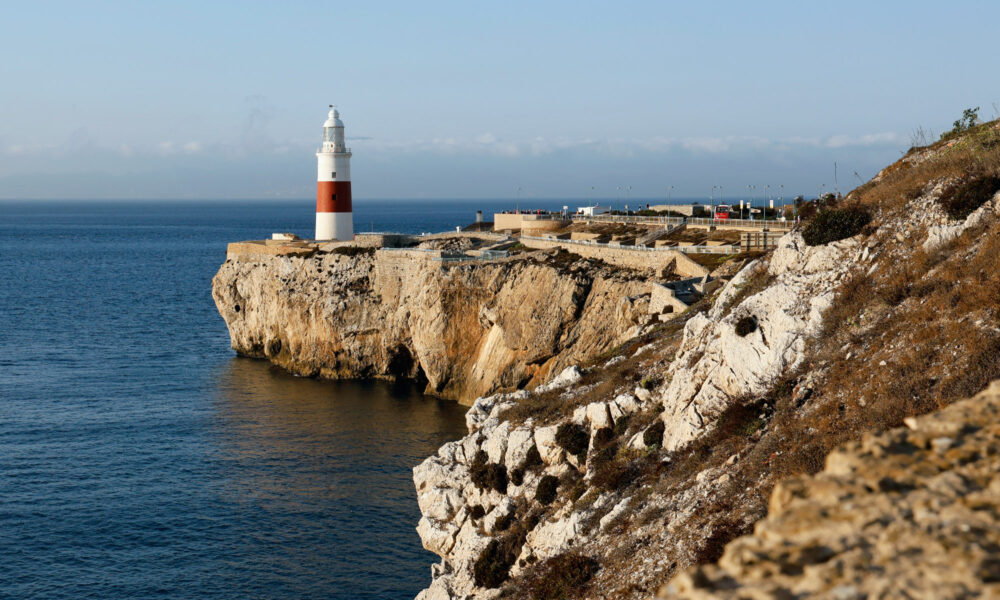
(722, 211)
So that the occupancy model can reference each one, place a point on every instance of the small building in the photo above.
(591, 211)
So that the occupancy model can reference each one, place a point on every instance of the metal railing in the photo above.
(727, 249)
(756, 223)
(486, 255)
(630, 219)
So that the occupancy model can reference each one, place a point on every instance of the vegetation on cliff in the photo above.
(889, 309)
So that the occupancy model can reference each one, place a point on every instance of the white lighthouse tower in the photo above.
(334, 216)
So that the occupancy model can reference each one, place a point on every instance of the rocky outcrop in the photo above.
(468, 329)
(780, 300)
(460, 517)
(911, 513)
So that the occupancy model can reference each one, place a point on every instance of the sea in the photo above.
(141, 458)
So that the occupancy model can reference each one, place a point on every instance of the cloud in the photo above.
(488, 144)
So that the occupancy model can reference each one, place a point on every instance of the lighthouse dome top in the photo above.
(333, 118)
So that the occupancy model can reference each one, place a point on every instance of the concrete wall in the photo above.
(630, 258)
(260, 248)
(504, 221)
(663, 300)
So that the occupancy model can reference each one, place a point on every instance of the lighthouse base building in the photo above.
(334, 213)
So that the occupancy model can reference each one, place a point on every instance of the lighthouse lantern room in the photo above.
(334, 216)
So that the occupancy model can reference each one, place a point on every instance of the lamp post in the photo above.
(618, 197)
(670, 191)
(750, 206)
(763, 203)
(628, 197)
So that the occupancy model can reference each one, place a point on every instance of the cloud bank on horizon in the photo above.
(451, 100)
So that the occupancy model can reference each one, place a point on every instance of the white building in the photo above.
(590, 211)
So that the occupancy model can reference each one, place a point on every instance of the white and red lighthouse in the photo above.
(334, 216)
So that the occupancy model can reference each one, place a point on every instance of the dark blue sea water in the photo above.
(140, 458)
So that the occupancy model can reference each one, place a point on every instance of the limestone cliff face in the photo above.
(910, 513)
(470, 329)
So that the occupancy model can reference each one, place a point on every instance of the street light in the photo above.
(750, 207)
(763, 203)
(618, 197)
(670, 191)
(628, 198)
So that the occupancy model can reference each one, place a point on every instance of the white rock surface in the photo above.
(715, 365)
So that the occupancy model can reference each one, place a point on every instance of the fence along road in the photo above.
(640, 220)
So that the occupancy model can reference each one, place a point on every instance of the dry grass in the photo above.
(974, 152)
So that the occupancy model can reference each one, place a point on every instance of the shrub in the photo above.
(516, 476)
(562, 577)
(603, 436)
(970, 117)
(834, 224)
(493, 565)
(352, 251)
(715, 543)
(532, 458)
(653, 436)
(961, 200)
(572, 438)
(546, 491)
(649, 382)
(488, 476)
(621, 425)
(746, 326)
(610, 474)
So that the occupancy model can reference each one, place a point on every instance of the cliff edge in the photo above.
(467, 328)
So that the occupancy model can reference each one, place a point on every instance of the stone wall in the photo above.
(630, 258)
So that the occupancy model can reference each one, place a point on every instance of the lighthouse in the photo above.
(334, 216)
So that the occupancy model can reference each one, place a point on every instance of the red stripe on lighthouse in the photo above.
(333, 196)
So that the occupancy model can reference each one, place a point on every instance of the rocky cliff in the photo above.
(911, 513)
(467, 329)
(621, 474)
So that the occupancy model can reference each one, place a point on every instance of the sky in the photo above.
(650, 99)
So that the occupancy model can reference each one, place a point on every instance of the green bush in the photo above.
(562, 577)
(653, 436)
(546, 491)
(746, 326)
(960, 200)
(834, 224)
(572, 438)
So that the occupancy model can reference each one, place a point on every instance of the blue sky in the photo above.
(474, 99)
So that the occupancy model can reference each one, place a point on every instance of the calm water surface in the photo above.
(139, 458)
